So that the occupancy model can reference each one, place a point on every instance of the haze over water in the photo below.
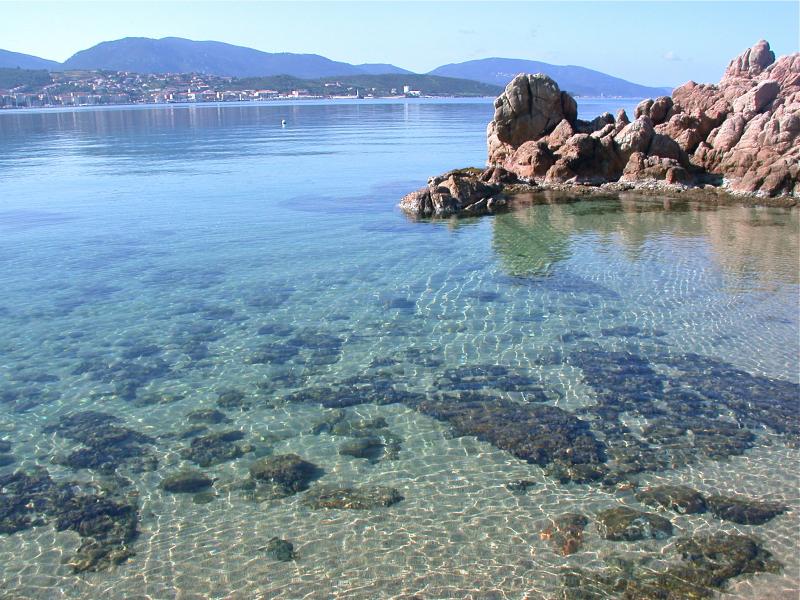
(153, 259)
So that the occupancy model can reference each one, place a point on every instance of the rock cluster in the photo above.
(742, 134)
(746, 130)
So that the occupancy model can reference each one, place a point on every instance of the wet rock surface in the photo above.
(743, 510)
(626, 524)
(681, 499)
(355, 498)
(460, 192)
(565, 532)
(106, 522)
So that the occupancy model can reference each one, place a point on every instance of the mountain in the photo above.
(382, 69)
(578, 81)
(16, 60)
(178, 55)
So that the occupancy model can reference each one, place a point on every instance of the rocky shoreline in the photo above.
(732, 142)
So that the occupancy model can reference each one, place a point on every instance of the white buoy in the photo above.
(283, 122)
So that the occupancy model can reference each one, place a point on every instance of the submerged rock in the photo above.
(565, 532)
(369, 447)
(282, 550)
(207, 415)
(357, 498)
(707, 563)
(625, 524)
(107, 445)
(520, 486)
(186, 482)
(215, 448)
(232, 400)
(745, 511)
(106, 522)
(679, 498)
(537, 433)
(288, 471)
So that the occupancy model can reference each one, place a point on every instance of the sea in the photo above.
(202, 289)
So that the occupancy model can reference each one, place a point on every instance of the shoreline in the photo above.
(472, 192)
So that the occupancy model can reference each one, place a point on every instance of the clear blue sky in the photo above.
(655, 43)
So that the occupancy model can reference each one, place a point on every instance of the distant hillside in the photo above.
(381, 69)
(11, 78)
(177, 55)
(382, 84)
(576, 80)
(15, 60)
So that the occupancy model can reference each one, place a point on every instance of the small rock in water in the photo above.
(288, 471)
(207, 415)
(357, 498)
(520, 486)
(370, 447)
(566, 532)
(186, 482)
(743, 510)
(625, 524)
(278, 549)
(204, 497)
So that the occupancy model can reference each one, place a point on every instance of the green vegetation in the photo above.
(12, 78)
(380, 85)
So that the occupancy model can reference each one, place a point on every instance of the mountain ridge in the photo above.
(180, 55)
(579, 81)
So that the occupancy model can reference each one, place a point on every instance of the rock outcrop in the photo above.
(742, 135)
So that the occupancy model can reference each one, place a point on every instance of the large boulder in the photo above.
(459, 192)
(743, 132)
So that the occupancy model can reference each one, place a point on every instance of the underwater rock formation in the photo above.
(107, 445)
(743, 510)
(287, 471)
(354, 498)
(186, 482)
(679, 498)
(281, 550)
(565, 532)
(626, 524)
(215, 448)
(536, 433)
(106, 521)
(707, 563)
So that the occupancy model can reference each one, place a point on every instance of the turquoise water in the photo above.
(160, 260)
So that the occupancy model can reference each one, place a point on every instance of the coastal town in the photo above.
(39, 89)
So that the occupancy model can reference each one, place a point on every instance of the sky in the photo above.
(652, 43)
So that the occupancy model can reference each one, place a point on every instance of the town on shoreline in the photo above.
(22, 88)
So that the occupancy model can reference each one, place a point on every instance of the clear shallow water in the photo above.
(142, 250)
